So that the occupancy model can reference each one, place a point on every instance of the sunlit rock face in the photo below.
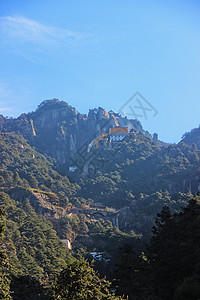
(58, 130)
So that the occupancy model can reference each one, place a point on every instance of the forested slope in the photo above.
(32, 246)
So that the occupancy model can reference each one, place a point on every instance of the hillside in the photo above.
(21, 165)
(63, 177)
(31, 244)
(137, 172)
(37, 200)
(192, 137)
(27, 182)
(142, 166)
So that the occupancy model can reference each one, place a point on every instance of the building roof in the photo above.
(119, 130)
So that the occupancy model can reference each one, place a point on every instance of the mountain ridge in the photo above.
(57, 129)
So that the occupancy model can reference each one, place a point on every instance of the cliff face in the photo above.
(58, 130)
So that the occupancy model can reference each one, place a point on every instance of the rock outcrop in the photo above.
(58, 130)
(41, 201)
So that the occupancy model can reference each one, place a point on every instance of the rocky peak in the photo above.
(57, 129)
(102, 113)
(100, 118)
(50, 113)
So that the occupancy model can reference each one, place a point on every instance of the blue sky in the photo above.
(99, 53)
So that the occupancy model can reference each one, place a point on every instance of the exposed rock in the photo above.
(58, 130)
(41, 201)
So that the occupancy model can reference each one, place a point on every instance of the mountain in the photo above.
(43, 207)
(58, 130)
(138, 172)
(62, 176)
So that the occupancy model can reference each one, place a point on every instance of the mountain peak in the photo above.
(57, 129)
(48, 102)
(54, 104)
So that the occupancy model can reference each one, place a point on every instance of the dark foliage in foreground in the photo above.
(4, 281)
(170, 268)
(79, 281)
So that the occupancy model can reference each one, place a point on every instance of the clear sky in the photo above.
(99, 53)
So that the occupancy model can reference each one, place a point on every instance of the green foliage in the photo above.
(4, 281)
(192, 137)
(28, 288)
(173, 251)
(107, 237)
(32, 245)
(132, 275)
(189, 288)
(143, 176)
(79, 281)
(136, 166)
(170, 267)
(21, 165)
(4, 287)
(71, 225)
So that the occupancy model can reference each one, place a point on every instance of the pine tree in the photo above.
(4, 281)
(79, 281)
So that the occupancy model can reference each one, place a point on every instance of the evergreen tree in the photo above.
(174, 253)
(4, 281)
(27, 288)
(133, 275)
(78, 281)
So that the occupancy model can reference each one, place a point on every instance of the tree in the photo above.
(16, 179)
(78, 281)
(133, 275)
(174, 253)
(4, 281)
(28, 288)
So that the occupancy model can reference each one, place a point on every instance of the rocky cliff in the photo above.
(58, 130)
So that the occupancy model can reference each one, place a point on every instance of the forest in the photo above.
(143, 241)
